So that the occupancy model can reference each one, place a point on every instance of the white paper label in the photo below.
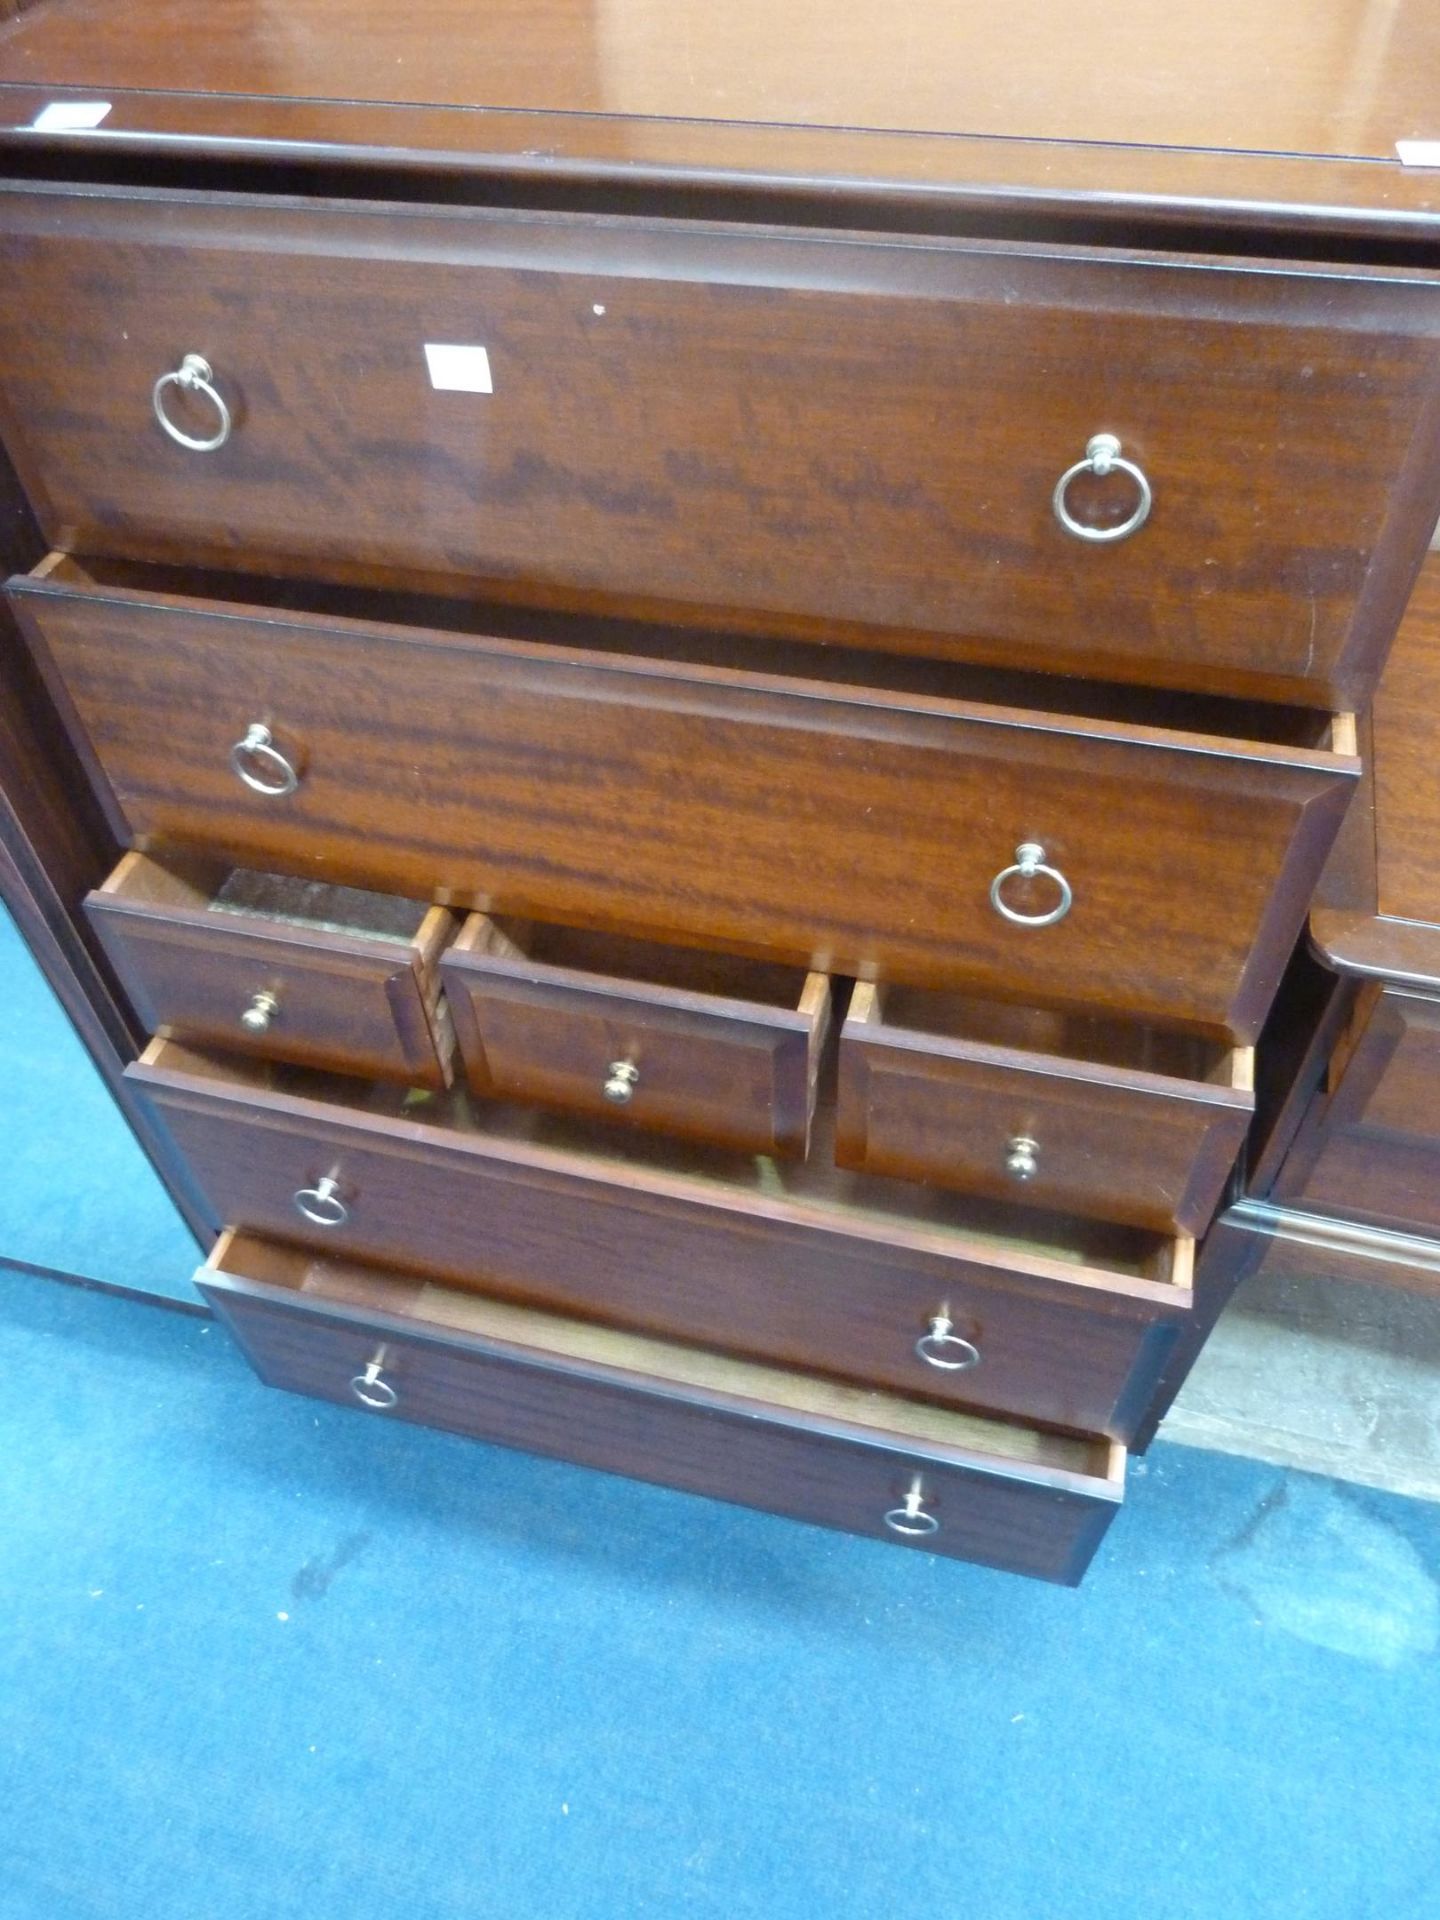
(1418, 153)
(70, 116)
(458, 369)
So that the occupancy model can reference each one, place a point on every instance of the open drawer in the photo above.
(694, 1043)
(869, 1463)
(299, 970)
(1095, 1116)
(1023, 837)
(1045, 1317)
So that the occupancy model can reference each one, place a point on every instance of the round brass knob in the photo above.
(1022, 1157)
(260, 1014)
(622, 1078)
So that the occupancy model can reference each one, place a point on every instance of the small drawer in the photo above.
(1094, 1116)
(867, 1463)
(296, 970)
(1040, 1317)
(687, 1042)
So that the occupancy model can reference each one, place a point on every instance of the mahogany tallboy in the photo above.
(694, 702)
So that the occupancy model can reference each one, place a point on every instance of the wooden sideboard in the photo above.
(678, 687)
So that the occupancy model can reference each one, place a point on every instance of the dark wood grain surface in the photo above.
(1123, 1143)
(707, 1048)
(850, 437)
(849, 829)
(803, 1266)
(834, 1457)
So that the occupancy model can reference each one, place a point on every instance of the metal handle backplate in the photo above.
(193, 375)
(1029, 864)
(1102, 456)
(260, 763)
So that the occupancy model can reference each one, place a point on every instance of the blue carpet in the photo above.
(77, 1193)
(267, 1658)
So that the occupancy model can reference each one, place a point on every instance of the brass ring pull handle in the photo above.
(321, 1204)
(944, 1348)
(1030, 862)
(1102, 456)
(261, 765)
(371, 1389)
(193, 375)
(911, 1517)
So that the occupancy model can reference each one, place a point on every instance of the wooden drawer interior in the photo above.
(839, 1456)
(302, 970)
(705, 1045)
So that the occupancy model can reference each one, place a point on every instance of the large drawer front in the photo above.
(863, 433)
(849, 828)
(837, 1457)
(734, 1263)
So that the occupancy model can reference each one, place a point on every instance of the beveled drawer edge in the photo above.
(463, 959)
(876, 1033)
(1327, 1233)
(296, 1113)
(422, 947)
(1107, 1483)
(892, 712)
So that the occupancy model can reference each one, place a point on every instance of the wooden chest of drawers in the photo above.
(700, 761)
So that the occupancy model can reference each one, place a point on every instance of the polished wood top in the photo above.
(1337, 77)
(1335, 81)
